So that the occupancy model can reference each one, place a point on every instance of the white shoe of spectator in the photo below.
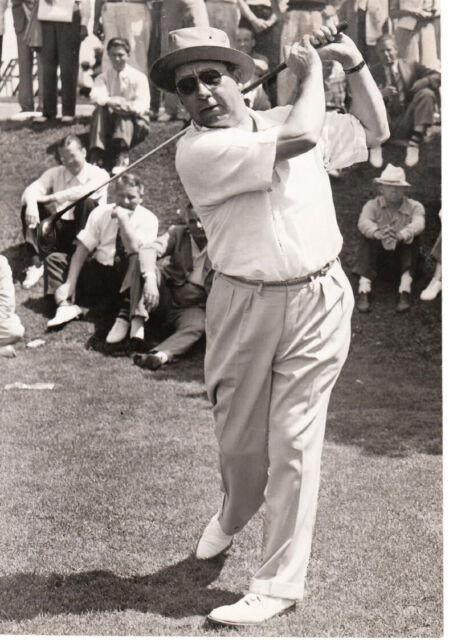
(32, 276)
(64, 313)
(118, 332)
(121, 163)
(432, 290)
(253, 608)
(68, 119)
(41, 119)
(412, 155)
(376, 157)
(137, 328)
(8, 351)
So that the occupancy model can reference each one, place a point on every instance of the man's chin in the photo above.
(214, 120)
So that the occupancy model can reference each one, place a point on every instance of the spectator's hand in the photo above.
(389, 92)
(150, 292)
(31, 218)
(119, 213)
(422, 83)
(404, 235)
(63, 293)
(259, 25)
(83, 32)
(116, 103)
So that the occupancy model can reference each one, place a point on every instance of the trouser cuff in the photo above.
(290, 591)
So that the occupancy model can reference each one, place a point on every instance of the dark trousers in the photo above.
(60, 47)
(154, 52)
(373, 259)
(419, 113)
(112, 132)
(95, 279)
(66, 230)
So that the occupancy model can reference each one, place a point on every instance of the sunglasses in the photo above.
(189, 84)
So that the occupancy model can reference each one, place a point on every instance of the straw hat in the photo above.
(393, 176)
(192, 45)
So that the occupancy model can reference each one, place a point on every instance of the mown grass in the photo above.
(108, 479)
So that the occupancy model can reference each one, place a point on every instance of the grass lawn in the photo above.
(108, 479)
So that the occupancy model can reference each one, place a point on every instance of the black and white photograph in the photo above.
(221, 295)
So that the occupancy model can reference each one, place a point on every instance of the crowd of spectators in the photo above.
(108, 242)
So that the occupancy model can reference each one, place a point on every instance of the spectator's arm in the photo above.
(141, 102)
(7, 293)
(33, 194)
(76, 264)
(367, 224)
(149, 254)
(415, 226)
(100, 94)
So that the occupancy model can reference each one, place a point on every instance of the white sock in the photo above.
(163, 357)
(137, 328)
(406, 282)
(364, 285)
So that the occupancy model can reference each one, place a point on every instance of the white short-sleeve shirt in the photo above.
(267, 220)
(100, 233)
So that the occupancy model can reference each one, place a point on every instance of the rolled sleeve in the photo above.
(343, 141)
(368, 224)
(217, 165)
(417, 224)
(91, 234)
(99, 94)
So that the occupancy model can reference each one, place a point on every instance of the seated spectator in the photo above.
(184, 284)
(55, 189)
(410, 92)
(390, 226)
(435, 285)
(256, 99)
(11, 329)
(122, 98)
(417, 30)
(113, 233)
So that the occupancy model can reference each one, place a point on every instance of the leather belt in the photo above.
(284, 283)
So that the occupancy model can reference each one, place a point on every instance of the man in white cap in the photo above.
(278, 315)
(390, 226)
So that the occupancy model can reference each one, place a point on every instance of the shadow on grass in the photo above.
(176, 591)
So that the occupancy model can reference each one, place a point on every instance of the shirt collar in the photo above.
(403, 208)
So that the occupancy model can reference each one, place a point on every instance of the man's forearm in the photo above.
(368, 106)
(76, 264)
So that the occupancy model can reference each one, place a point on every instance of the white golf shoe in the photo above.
(432, 290)
(64, 313)
(213, 541)
(118, 332)
(253, 608)
(375, 157)
(32, 276)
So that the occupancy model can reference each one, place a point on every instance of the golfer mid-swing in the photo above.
(278, 315)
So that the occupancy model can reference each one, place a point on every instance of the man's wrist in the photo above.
(354, 68)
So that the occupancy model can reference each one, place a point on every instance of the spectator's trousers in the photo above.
(418, 114)
(60, 47)
(130, 20)
(177, 14)
(273, 356)
(295, 25)
(95, 279)
(224, 16)
(11, 330)
(419, 44)
(25, 57)
(372, 257)
(108, 129)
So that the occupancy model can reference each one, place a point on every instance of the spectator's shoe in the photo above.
(213, 542)
(118, 332)
(7, 351)
(334, 173)
(149, 361)
(403, 302)
(137, 328)
(64, 313)
(167, 117)
(41, 119)
(32, 276)
(68, 119)
(364, 302)
(375, 157)
(432, 290)
(253, 608)
(121, 163)
(412, 155)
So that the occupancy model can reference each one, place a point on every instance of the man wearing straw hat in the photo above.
(278, 315)
(390, 226)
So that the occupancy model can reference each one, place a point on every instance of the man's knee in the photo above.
(424, 95)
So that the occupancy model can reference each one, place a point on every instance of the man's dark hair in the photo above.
(386, 37)
(68, 140)
(130, 180)
(118, 42)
